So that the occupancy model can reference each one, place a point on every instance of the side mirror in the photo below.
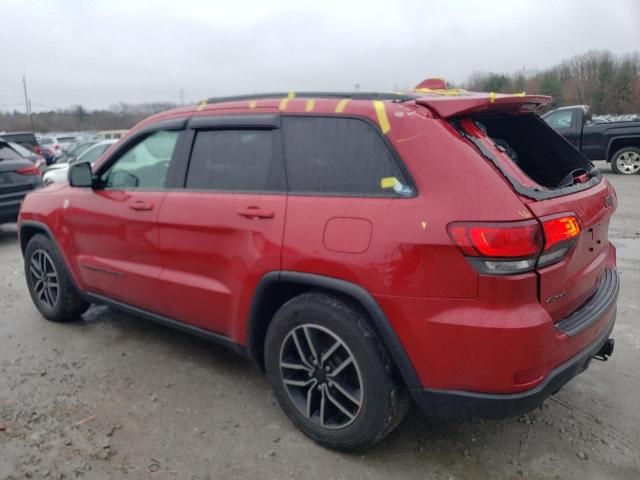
(80, 175)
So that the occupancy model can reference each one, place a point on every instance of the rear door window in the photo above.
(339, 156)
(559, 120)
(236, 160)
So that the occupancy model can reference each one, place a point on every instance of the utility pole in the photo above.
(27, 102)
(181, 97)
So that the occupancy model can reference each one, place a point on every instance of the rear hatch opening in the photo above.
(557, 184)
(567, 196)
(537, 161)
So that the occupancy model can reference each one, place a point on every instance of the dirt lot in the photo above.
(116, 397)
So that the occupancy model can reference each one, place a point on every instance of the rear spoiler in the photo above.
(457, 102)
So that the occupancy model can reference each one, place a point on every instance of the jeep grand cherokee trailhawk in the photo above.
(364, 249)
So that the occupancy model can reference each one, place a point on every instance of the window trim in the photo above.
(271, 121)
(395, 157)
(268, 122)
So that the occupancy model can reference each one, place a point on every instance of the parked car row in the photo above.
(60, 147)
(83, 152)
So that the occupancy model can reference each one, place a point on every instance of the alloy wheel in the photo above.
(321, 376)
(44, 278)
(628, 162)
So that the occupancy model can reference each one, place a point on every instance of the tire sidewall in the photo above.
(60, 311)
(614, 160)
(348, 326)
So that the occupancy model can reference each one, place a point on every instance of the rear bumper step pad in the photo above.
(604, 297)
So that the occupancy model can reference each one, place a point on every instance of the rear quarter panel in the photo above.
(410, 253)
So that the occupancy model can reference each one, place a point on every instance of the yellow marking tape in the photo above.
(309, 106)
(451, 92)
(383, 121)
(202, 104)
(492, 97)
(341, 104)
(521, 94)
(389, 182)
(285, 101)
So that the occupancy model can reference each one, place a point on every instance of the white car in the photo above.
(57, 173)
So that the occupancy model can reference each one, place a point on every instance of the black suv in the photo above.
(18, 176)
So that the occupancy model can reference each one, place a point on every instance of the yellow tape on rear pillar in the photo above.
(383, 121)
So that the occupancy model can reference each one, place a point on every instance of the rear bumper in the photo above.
(468, 405)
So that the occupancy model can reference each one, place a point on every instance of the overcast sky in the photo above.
(97, 53)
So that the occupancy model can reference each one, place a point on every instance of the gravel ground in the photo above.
(116, 397)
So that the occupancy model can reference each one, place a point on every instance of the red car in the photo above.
(364, 249)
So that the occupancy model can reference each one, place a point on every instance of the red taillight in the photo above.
(499, 248)
(33, 170)
(560, 234)
(559, 230)
(515, 247)
(508, 240)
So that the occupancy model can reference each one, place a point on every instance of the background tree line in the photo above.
(609, 83)
(120, 116)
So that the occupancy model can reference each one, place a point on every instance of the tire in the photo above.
(355, 372)
(56, 298)
(626, 161)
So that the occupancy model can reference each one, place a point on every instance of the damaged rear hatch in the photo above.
(562, 189)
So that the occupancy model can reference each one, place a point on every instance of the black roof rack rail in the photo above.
(399, 97)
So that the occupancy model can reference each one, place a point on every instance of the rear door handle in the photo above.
(140, 206)
(256, 212)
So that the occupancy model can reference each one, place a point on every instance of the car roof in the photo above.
(444, 102)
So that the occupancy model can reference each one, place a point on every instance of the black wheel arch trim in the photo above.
(610, 152)
(34, 224)
(43, 227)
(351, 290)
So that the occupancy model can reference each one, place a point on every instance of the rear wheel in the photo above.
(49, 283)
(626, 161)
(331, 374)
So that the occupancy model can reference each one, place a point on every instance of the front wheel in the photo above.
(331, 374)
(49, 283)
(626, 161)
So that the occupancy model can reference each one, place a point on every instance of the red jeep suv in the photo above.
(363, 249)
